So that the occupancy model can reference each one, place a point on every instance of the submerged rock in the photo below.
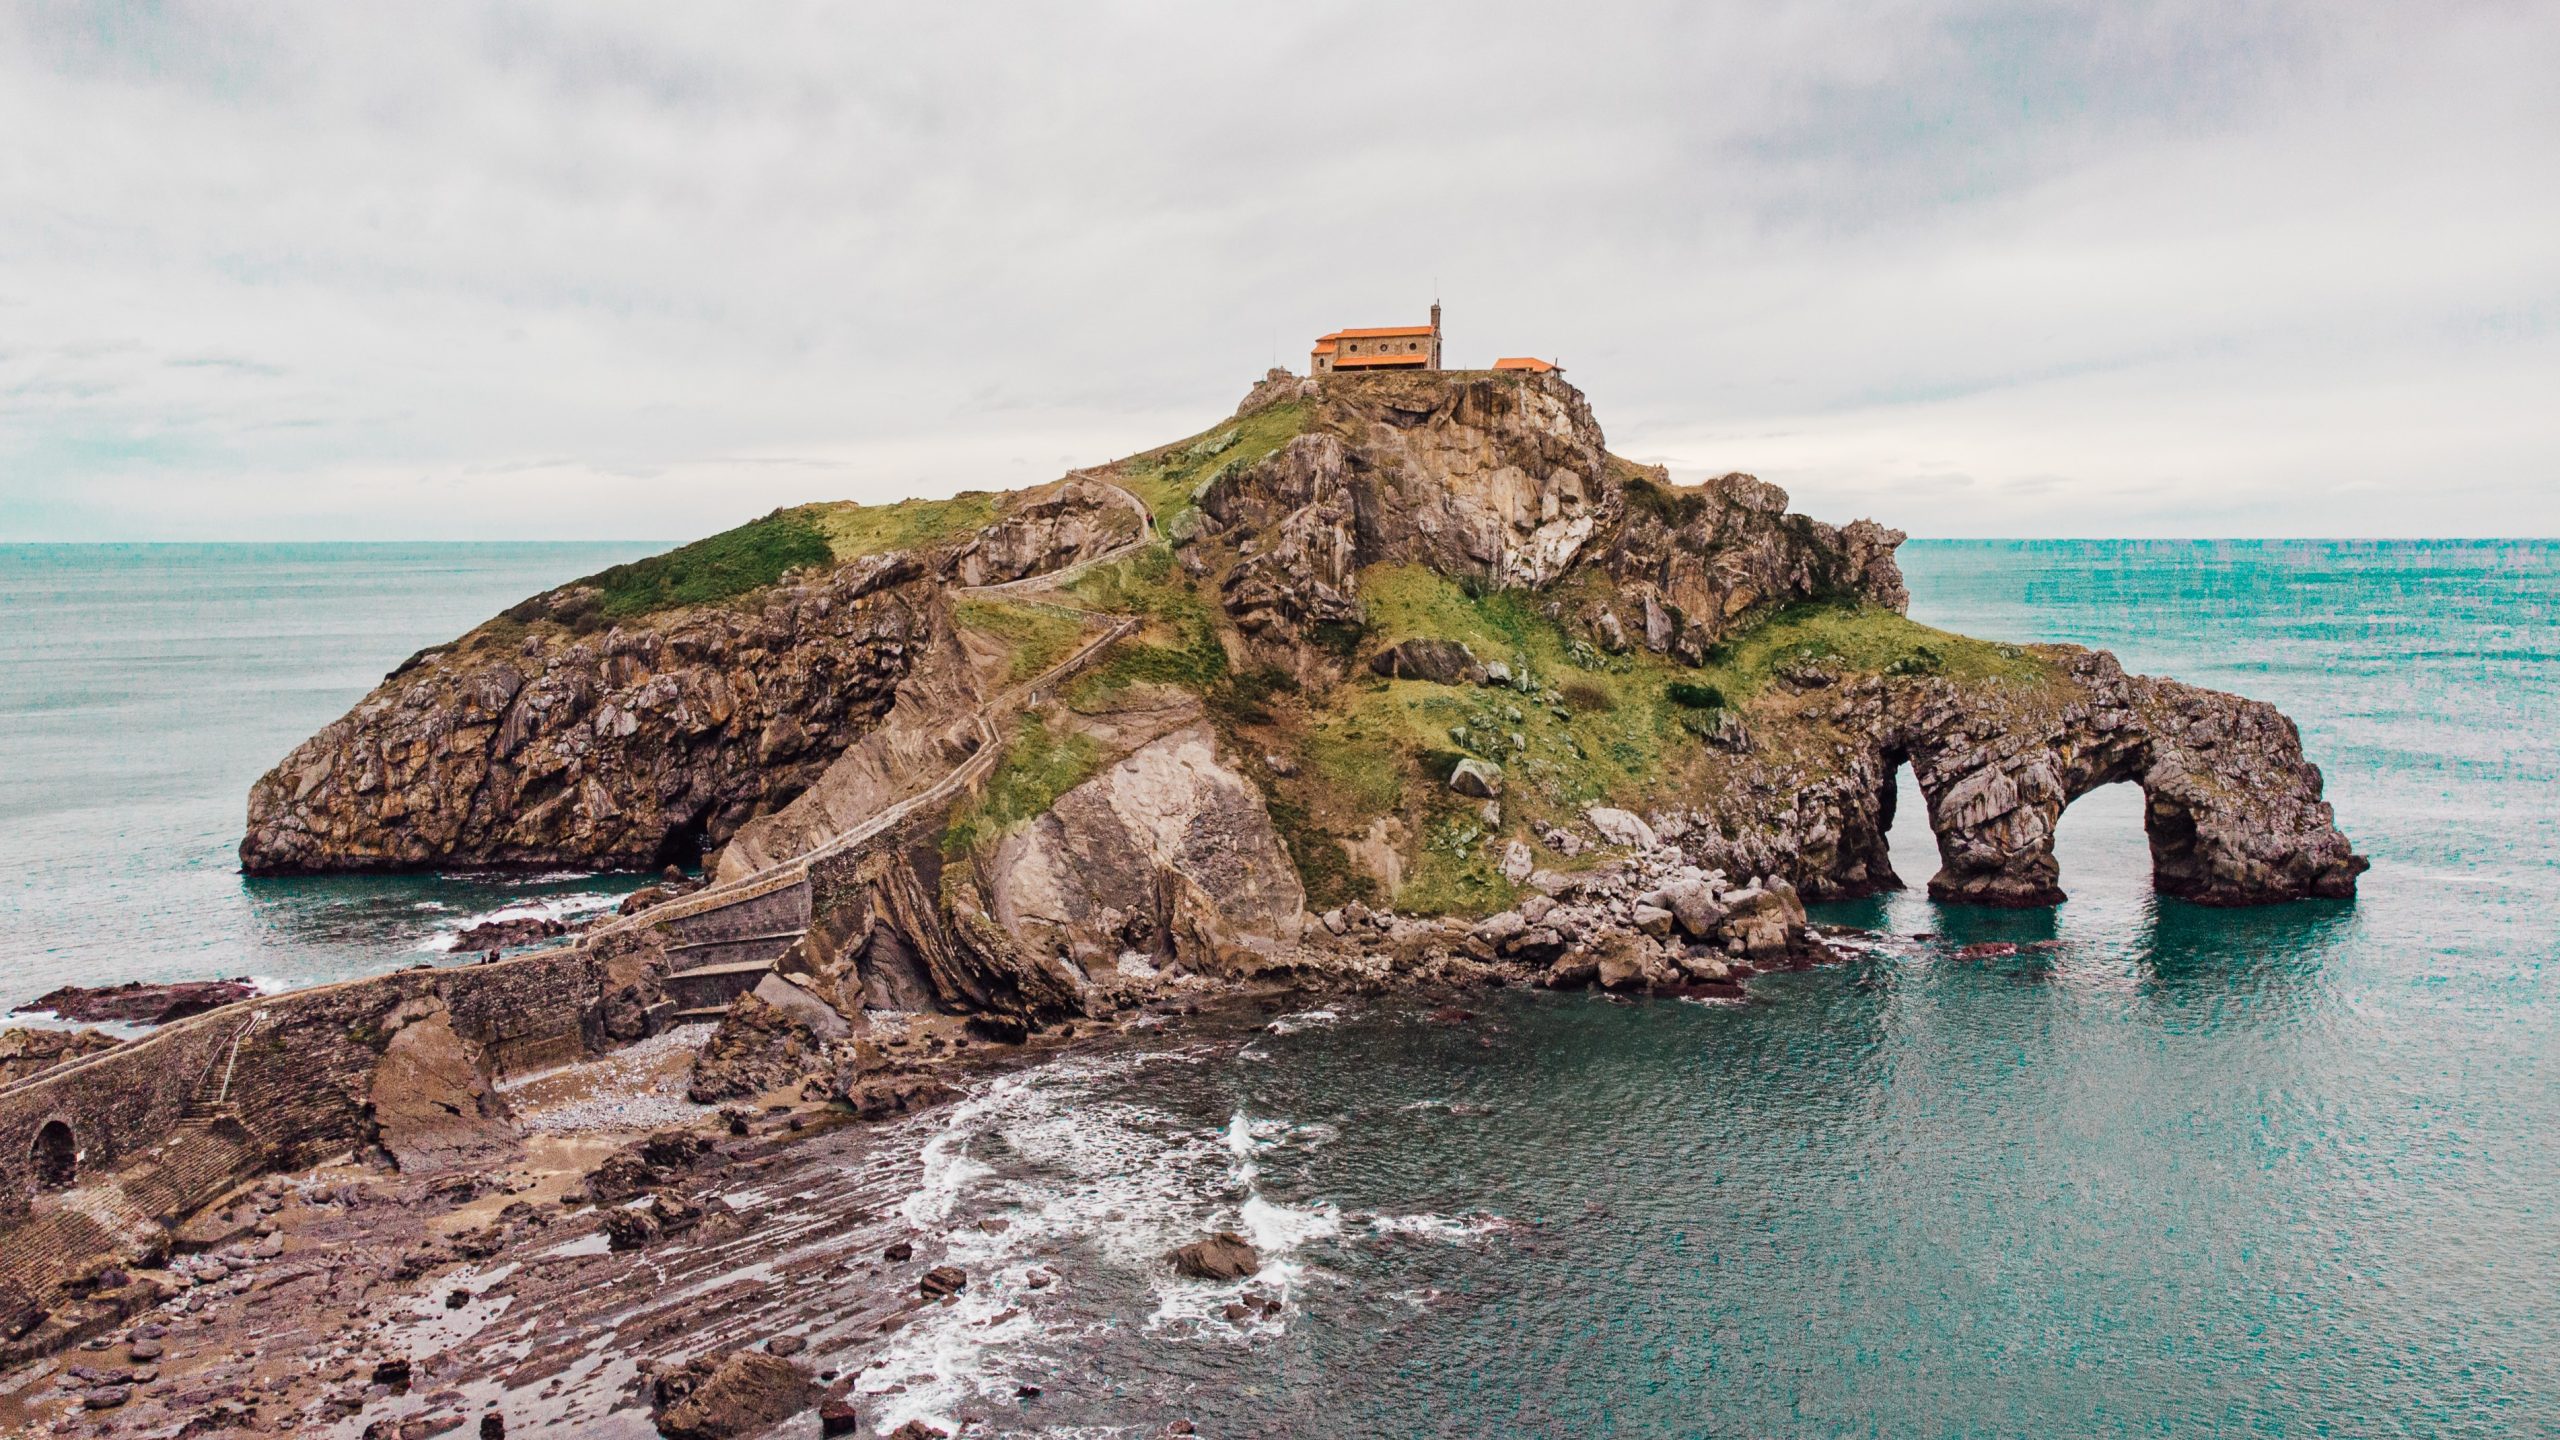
(136, 1003)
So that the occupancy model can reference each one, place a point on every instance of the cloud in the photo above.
(631, 270)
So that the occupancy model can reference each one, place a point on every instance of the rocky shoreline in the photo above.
(354, 1300)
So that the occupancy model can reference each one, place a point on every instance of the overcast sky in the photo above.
(633, 270)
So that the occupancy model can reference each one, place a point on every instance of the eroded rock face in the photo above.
(627, 749)
(1504, 480)
(1693, 566)
(434, 1108)
(547, 739)
(2234, 813)
(1169, 853)
(1056, 527)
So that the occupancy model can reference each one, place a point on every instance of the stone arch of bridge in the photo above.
(54, 1156)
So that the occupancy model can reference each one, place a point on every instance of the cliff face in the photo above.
(1504, 481)
(554, 736)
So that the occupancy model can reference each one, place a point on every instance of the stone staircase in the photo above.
(722, 940)
(196, 1164)
(130, 1211)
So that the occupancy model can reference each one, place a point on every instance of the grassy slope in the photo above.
(1170, 478)
(754, 555)
(1039, 765)
(1577, 728)
(1037, 636)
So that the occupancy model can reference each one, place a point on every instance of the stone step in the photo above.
(193, 1166)
(738, 967)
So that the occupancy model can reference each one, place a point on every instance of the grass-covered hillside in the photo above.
(760, 552)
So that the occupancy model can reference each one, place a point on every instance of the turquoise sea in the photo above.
(143, 688)
(2279, 1172)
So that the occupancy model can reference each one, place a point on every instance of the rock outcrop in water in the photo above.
(1408, 642)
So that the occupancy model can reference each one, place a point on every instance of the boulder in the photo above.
(1442, 662)
(1480, 778)
(943, 1280)
(1692, 903)
(1653, 920)
(1620, 827)
(759, 1046)
(631, 1228)
(1517, 862)
(1222, 1256)
(795, 1001)
(1766, 919)
(729, 1394)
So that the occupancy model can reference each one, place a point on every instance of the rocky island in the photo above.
(1387, 681)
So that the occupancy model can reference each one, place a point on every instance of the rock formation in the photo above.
(1168, 854)
(2234, 812)
(1421, 636)
(551, 737)
(26, 1052)
(1503, 480)
(136, 1003)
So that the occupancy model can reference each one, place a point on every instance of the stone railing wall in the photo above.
(303, 1068)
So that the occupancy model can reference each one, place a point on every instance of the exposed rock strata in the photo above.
(538, 742)
(1168, 854)
(1504, 480)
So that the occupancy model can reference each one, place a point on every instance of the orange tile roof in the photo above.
(1415, 358)
(1379, 330)
(1324, 346)
(1522, 362)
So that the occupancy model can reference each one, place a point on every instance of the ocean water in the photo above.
(2278, 1172)
(143, 688)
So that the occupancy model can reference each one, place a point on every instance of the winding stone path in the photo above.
(778, 892)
